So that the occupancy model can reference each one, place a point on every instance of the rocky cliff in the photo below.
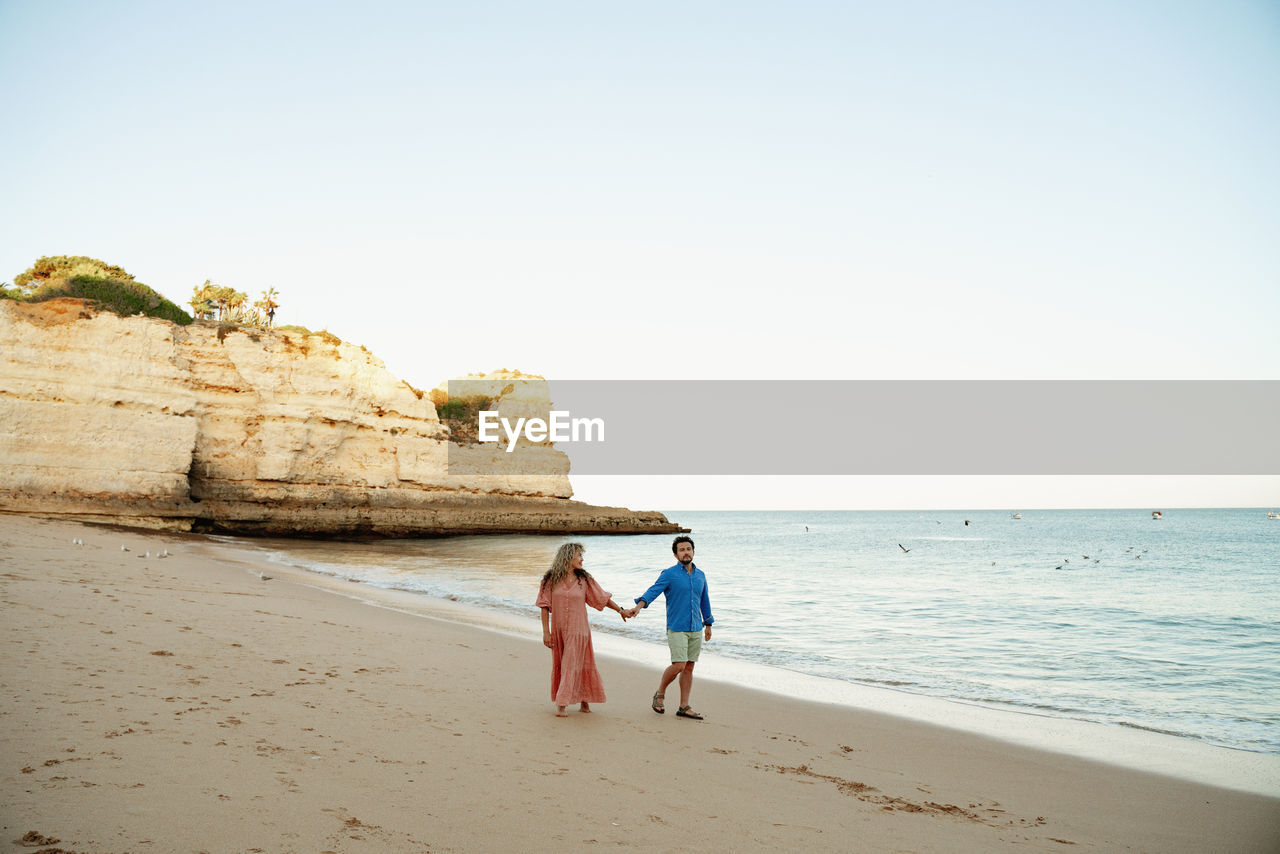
(139, 421)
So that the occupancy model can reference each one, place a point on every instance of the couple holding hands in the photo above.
(566, 591)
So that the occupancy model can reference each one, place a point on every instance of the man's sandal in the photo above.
(686, 712)
(657, 705)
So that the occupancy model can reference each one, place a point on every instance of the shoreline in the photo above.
(1127, 746)
(1132, 748)
(185, 703)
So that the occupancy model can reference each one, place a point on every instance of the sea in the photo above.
(1167, 625)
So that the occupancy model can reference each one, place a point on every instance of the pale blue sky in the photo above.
(694, 190)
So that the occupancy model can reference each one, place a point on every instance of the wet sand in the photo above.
(186, 704)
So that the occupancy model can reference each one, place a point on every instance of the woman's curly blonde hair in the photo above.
(560, 569)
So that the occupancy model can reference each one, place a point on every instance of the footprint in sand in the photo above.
(33, 838)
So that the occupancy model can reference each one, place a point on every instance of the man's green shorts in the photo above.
(685, 646)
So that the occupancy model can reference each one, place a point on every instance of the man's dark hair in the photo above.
(681, 539)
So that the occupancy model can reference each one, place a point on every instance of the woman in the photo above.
(566, 590)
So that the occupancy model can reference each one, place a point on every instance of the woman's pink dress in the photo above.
(574, 678)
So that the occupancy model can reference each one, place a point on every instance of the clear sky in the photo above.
(844, 190)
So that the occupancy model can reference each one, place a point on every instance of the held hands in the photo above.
(628, 613)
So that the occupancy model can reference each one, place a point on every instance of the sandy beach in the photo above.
(185, 703)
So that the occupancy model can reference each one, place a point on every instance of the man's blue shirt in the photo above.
(688, 605)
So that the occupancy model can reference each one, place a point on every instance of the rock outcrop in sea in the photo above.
(143, 422)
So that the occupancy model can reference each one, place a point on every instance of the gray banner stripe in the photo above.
(923, 427)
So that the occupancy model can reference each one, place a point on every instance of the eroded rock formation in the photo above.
(144, 422)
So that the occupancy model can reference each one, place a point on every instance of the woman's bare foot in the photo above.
(561, 713)
(585, 707)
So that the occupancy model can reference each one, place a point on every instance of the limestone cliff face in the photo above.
(140, 421)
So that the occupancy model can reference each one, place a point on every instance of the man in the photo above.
(688, 622)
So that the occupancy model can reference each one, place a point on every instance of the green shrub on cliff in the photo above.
(462, 416)
(109, 287)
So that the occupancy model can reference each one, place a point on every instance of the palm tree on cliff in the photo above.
(213, 297)
(201, 301)
(268, 305)
(235, 304)
(200, 308)
(221, 299)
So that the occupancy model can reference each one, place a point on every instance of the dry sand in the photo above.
(184, 704)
